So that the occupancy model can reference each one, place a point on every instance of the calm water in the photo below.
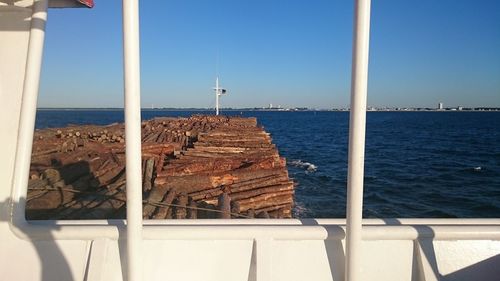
(418, 164)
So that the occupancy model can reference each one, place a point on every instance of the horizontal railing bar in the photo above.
(305, 222)
(47, 230)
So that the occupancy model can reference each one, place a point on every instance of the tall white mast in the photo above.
(217, 95)
(218, 91)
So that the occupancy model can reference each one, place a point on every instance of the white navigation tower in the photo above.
(218, 92)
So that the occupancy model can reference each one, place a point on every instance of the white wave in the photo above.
(299, 210)
(309, 167)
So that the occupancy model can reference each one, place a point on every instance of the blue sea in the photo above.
(418, 164)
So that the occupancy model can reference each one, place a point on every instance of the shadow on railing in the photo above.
(19, 17)
(424, 254)
(53, 263)
(425, 264)
(334, 249)
(486, 270)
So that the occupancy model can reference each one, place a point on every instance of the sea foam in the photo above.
(309, 167)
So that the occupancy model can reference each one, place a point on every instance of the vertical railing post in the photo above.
(28, 108)
(357, 126)
(133, 137)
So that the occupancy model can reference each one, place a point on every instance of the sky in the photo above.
(293, 53)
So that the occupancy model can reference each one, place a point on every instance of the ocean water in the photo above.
(418, 164)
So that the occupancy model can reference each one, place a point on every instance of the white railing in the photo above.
(357, 128)
(354, 229)
(292, 229)
(131, 77)
(28, 109)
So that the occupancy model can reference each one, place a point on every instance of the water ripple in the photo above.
(418, 164)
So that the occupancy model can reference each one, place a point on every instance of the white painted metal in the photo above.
(217, 95)
(262, 251)
(425, 264)
(97, 260)
(357, 126)
(218, 92)
(28, 107)
(453, 249)
(133, 137)
(277, 229)
(279, 222)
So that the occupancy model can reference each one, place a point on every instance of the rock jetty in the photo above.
(196, 167)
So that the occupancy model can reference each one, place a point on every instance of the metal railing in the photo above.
(352, 229)
(357, 128)
(131, 77)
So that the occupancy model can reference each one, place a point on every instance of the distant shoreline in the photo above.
(482, 109)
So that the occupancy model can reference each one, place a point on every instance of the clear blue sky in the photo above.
(292, 53)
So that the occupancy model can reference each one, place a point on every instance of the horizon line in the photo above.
(368, 108)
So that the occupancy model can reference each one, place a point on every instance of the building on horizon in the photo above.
(440, 106)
